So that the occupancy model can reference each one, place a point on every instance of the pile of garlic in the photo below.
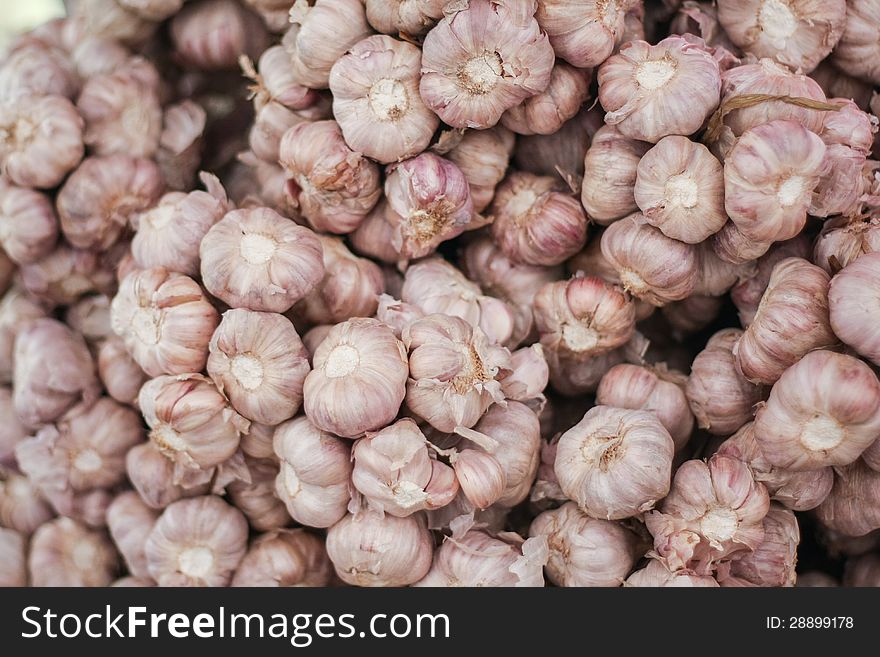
(441, 293)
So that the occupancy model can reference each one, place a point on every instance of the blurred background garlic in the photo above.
(610, 172)
(284, 558)
(65, 553)
(130, 522)
(850, 302)
(28, 225)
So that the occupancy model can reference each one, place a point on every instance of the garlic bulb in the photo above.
(374, 550)
(852, 305)
(856, 52)
(732, 245)
(63, 552)
(562, 152)
(583, 33)
(181, 144)
(90, 317)
(13, 557)
(196, 542)
(130, 522)
(95, 55)
(792, 319)
(376, 100)
(845, 510)
(410, 18)
(716, 276)
(66, 274)
(28, 225)
(315, 473)
(17, 310)
(272, 121)
(529, 374)
(610, 173)
(165, 321)
(656, 574)
(257, 443)
(585, 551)
(597, 458)
(37, 70)
(291, 557)
(152, 476)
(274, 81)
(259, 260)
(120, 375)
(691, 315)
(22, 507)
(12, 431)
(256, 499)
(483, 58)
(843, 239)
(482, 156)
(211, 34)
(773, 561)
(650, 92)
(546, 112)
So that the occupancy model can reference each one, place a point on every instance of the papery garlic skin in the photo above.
(610, 173)
(546, 112)
(716, 276)
(650, 91)
(655, 574)
(196, 542)
(64, 552)
(120, 375)
(96, 56)
(259, 363)
(22, 507)
(211, 34)
(375, 550)
(845, 510)
(483, 156)
(315, 473)
(152, 475)
(680, 189)
(376, 100)
(797, 33)
(853, 305)
(17, 310)
(256, 498)
(284, 558)
(483, 58)
(165, 321)
(583, 33)
(792, 319)
(824, 410)
(13, 558)
(856, 52)
(843, 240)
(28, 225)
(257, 259)
(529, 374)
(596, 459)
(412, 18)
(130, 522)
(585, 551)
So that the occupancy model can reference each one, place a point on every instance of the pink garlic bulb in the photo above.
(792, 319)
(257, 443)
(17, 310)
(256, 499)
(716, 276)
(713, 510)
(358, 379)
(180, 144)
(853, 305)
(535, 223)
(583, 33)
(482, 156)
(273, 120)
(850, 507)
(824, 410)
(658, 390)
(610, 172)
(546, 112)
(483, 58)
(96, 56)
(66, 274)
(292, 557)
(410, 18)
(133, 582)
(259, 363)
(65, 553)
(97, 200)
(130, 522)
(573, 376)
(856, 52)
(732, 245)
(720, 397)
(13, 557)
(429, 202)
(656, 574)
(12, 431)
(396, 314)
(41, 140)
(529, 374)
(650, 91)
(90, 317)
(38, 70)
(315, 473)
(152, 475)
(165, 321)
(212, 34)
(651, 266)
(275, 13)
(394, 471)
(596, 459)
(28, 225)
(374, 550)
(22, 507)
(376, 100)
(585, 551)
(796, 490)
(843, 239)
(680, 189)
(53, 372)
(259, 260)
(797, 33)
(120, 375)
(196, 542)
(769, 176)
(701, 19)
(336, 186)
(274, 81)
(168, 235)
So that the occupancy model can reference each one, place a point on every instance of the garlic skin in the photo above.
(190, 422)
(259, 363)
(701, 19)
(713, 510)
(336, 186)
(315, 473)
(845, 509)
(769, 177)
(856, 52)
(97, 200)
(152, 475)
(66, 274)
(824, 410)
(546, 112)
(196, 542)
(797, 33)
(655, 574)
(53, 372)
(583, 33)
(168, 235)
(464, 87)
(376, 100)
(396, 314)
(651, 266)
(643, 87)
(585, 551)
(13, 557)
(12, 431)
(453, 371)
(22, 507)
(792, 319)
(680, 189)
(211, 34)
(716, 276)
(843, 239)
(256, 498)
(130, 522)
(658, 390)
(259, 260)
(291, 557)
(732, 245)
(535, 223)
(165, 321)
(65, 553)
(374, 550)
(17, 310)
(610, 173)
(596, 458)
(852, 305)
(41, 140)
(720, 397)
(529, 374)
(410, 18)
(181, 143)
(482, 156)
(796, 490)
(28, 225)
(120, 375)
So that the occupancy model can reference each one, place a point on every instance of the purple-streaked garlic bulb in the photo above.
(28, 225)
(546, 112)
(583, 33)
(482, 156)
(256, 498)
(130, 521)
(656, 574)
(289, 557)
(610, 173)
(210, 35)
(854, 306)
(64, 552)
(846, 509)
